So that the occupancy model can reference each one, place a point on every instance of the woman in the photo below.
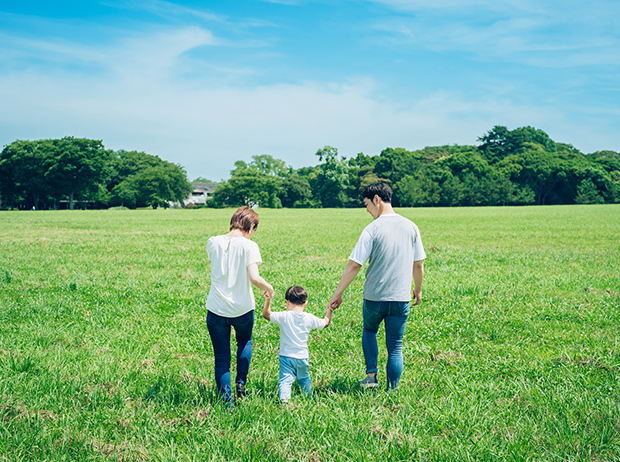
(234, 268)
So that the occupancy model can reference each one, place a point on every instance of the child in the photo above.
(295, 326)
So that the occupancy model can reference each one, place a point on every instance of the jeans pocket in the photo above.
(404, 308)
(245, 320)
(211, 319)
(372, 308)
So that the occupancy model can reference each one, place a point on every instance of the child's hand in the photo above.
(268, 295)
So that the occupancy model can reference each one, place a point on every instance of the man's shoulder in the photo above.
(388, 221)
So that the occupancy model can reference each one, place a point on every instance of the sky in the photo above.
(206, 83)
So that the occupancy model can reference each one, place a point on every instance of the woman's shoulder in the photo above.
(215, 239)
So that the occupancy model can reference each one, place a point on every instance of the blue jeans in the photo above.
(291, 368)
(219, 331)
(395, 315)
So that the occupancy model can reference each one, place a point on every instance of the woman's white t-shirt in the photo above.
(231, 293)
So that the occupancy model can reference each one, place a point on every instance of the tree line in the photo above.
(509, 167)
(48, 174)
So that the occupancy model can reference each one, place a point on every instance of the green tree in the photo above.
(249, 185)
(587, 193)
(76, 166)
(153, 186)
(418, 191)
(393, 164)
(452, 192)
(22, 172)
(332, 179)
(296, 192)
(499, 142)
(268, 165)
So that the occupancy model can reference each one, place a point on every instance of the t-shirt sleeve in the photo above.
(418, 251)
(361, 252)
(252, 254)
(276, 317)
(209, 247)
(315, 322)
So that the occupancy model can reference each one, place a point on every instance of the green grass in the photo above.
(512, 355)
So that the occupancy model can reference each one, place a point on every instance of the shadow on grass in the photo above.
(338, 385)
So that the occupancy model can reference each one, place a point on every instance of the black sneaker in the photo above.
(369, 382)
(240, 390)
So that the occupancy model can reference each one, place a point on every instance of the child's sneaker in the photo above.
(369, 382)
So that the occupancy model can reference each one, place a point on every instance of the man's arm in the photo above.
(418, 275)
(350, 271)
(257, 280)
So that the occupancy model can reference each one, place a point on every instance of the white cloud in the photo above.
(133, 93)
(547, 34)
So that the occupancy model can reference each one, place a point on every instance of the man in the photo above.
(393, 247)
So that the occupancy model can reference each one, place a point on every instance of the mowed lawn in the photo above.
(513, 353)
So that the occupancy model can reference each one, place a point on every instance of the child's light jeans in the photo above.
(291, 369)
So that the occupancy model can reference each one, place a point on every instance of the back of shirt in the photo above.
(390, 244)
(294, 332)
(230, 294)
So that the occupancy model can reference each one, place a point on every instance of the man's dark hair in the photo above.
(296, 295)
(380, 189)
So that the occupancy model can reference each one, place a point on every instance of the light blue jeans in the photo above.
(291, 368)
(395, 315)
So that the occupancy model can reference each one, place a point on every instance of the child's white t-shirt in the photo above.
(294, 332)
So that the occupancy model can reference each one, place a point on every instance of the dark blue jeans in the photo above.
(395, 315)
(219, 331)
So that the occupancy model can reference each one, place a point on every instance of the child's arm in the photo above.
(328, 316)
(267, 307)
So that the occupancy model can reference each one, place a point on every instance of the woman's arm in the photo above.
(257, 280)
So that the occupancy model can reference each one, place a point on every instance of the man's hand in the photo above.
(335, 302)
(417, 297)
(350, 271)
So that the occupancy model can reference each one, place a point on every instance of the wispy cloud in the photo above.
(522, 32)
(167, 10)
(206, 88)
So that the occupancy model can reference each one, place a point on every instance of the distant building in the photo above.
(200, 193)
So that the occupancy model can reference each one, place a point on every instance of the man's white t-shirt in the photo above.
(231, 293)
(294, 332)
(390, 244)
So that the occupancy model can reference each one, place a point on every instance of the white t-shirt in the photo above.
(231, 293)
(390, 244)
(294, 332)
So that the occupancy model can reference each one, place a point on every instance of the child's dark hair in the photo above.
(380, 189)
(296, 295)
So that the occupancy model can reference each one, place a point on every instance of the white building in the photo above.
(201, 192)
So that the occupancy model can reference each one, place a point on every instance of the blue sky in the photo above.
(204, 84)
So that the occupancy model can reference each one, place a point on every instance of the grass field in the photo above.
(513, 354)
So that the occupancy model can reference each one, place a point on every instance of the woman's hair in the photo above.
(244, 219)
(296, 295)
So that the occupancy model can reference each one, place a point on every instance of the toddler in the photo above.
(295, 327)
